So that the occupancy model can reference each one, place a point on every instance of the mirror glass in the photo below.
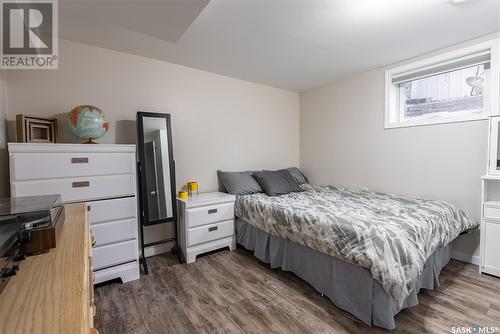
(157, 168)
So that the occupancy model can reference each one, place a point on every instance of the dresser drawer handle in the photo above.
(81, 184)
(212, 211)
(214, 228)
(79, 160)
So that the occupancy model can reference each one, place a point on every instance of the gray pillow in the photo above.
(275, 183)
(297, 175)
(238, 183)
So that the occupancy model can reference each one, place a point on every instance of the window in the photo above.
(453, 87)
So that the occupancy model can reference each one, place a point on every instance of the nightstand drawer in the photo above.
(209, 214)
(491, 212)
(210, 232)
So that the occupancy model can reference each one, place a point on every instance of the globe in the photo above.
(87, 122)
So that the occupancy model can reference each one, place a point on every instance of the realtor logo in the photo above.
(29, 34)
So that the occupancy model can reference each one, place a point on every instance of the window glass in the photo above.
(452, 94)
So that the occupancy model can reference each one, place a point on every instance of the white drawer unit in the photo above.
(78, 189)
(491, 211)
(112, 209)
(57, 165)
(490, 225)
(206, 223)
(103, 176)
(110, 255)
(114, 231)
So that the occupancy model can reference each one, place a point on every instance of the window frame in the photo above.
(491, 93)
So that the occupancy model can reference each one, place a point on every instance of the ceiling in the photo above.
(295, 45)
(165, 20)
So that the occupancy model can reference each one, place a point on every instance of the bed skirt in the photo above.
(349, 287)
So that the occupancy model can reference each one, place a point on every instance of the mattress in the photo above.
(391, 236)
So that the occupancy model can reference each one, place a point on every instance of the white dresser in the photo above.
(206, 223)
(102, 175)
(490, 225)
(490, 204)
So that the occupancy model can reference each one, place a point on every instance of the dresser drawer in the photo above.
(109, 255)
(78, 189)
(57, 165)
(491, 212)
(209, 214)
(112, 209)
(206, 233)
(114, 231)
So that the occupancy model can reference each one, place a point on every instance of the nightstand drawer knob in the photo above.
(213, 228)
(212, 211)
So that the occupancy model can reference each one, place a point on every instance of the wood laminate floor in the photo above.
(233, 292)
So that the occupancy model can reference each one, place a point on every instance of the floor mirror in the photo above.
(156, 169)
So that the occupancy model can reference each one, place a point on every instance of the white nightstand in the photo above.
(206, 223)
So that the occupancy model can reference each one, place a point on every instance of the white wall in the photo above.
(4, 172)
(218, 122)
(343, 143)
(225, 123)
(3, 110)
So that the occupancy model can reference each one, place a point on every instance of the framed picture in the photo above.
(34, 129)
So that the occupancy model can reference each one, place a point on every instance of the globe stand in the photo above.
(90, 141)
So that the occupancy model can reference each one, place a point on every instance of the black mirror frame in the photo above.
(140, 150)
(143, 203)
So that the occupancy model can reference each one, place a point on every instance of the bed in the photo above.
(370, 253)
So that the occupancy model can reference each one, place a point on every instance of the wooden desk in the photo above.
(53, 292)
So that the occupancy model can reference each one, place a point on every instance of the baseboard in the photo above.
(166, 247)
(474, 259)
(158, 249)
